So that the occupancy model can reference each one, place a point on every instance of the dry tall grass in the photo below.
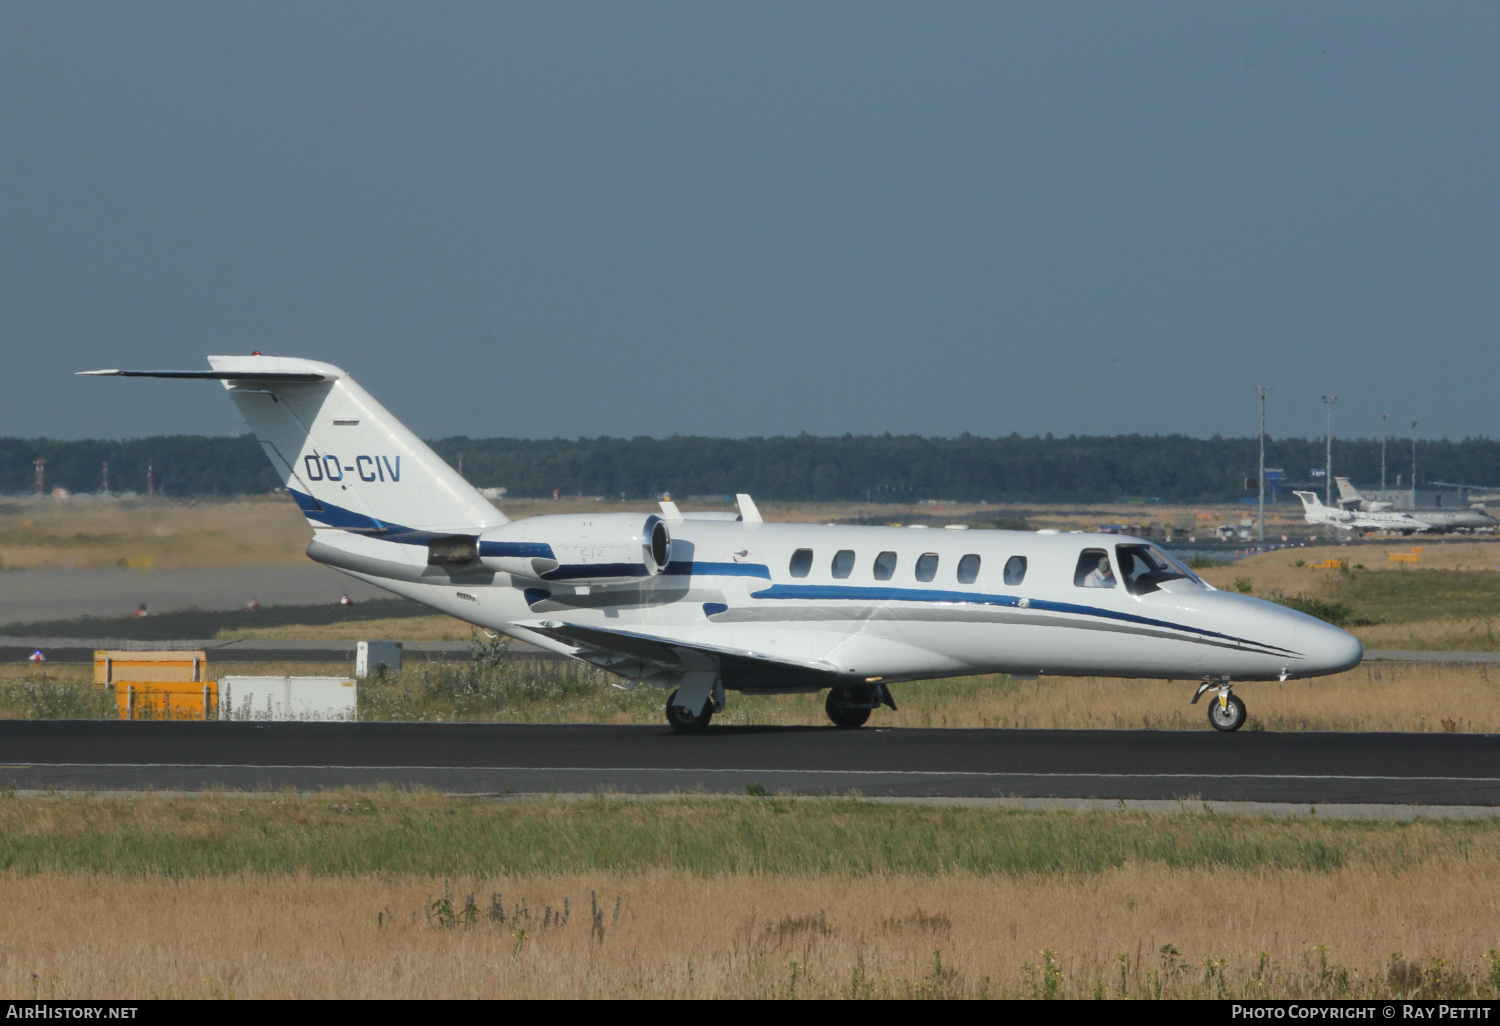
(1466, 634)
(1140, 931)
(1375, 696)
(384, 894)
(414, 628)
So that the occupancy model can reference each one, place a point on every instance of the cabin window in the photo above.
(1015, 570)
(1093, 570)
(843, 564)
(927, 564)
(968, 569)
(801, 563)
(885, 566)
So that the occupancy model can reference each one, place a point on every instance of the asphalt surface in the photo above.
(30, 596)
(1311, 768)
(17, 649)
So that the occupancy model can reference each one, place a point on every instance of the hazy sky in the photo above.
(758, 218)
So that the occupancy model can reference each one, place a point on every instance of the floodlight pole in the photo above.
(1383, 432)
(1414, 463)
(1329, 400)
(1260, 519)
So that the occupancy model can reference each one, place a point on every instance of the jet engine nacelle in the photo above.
(579, 547)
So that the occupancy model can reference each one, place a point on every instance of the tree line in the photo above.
(893, 468)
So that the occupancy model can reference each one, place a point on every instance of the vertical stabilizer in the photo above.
(346, 460)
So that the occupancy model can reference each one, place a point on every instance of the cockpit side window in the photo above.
(1093, 570)
(801, 563)
(1145, 567)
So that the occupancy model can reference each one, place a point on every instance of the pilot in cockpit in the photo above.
(1101, 576)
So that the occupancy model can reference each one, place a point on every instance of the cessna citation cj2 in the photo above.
(701, 603)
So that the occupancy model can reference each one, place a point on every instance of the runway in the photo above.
(1310, 768)
(39, 595)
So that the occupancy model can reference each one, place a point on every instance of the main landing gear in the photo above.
(850, 707)
(704, 694)
(1225, 710)
(683, 719)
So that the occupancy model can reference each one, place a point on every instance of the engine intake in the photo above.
(579, 547)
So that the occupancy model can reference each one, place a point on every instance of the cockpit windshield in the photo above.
(1144, 568)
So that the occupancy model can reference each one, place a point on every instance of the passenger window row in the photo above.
(884, 567)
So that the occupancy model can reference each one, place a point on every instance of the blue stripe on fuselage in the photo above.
(867, 594)
(524, 550)
(688, 568)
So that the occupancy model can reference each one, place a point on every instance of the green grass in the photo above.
(1362, 599)
(1405, 596)
(353, 833)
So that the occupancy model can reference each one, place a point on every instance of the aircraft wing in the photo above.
(643, 655)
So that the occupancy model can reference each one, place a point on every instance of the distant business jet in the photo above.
(1437, 519)
(1357, 520)
(701, 603)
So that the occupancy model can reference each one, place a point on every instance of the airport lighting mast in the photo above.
(1260, 519)
(1383, 432)
(1414, 463)
(1328, 401)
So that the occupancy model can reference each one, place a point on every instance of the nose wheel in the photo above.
(1225, 710)
(1228, 714)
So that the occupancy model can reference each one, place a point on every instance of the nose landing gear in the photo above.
(1225, 711)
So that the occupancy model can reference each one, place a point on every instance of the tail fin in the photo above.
(1310, 500)
(1347, 492)
(344, 458)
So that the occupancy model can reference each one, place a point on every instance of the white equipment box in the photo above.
(370, 654)
(287, 698)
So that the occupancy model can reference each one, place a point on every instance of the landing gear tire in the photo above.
(683, 721)
(846, 709)
(1226, 717)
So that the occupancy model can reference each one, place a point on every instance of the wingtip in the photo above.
(95, 373)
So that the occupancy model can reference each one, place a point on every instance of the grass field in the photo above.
(410, 895)
(145, 533)
(1376, 696)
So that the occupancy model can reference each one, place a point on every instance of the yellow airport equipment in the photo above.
(167, 700)
(114, 665)
(1414, 556)
(1330, 564)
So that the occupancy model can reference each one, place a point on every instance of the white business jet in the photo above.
(701, 603)
(1456, 518)
(1357, 520)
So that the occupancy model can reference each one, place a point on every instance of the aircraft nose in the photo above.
(1325, 648)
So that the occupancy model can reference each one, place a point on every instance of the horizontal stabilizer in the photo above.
(211, 375)
(346, 461)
